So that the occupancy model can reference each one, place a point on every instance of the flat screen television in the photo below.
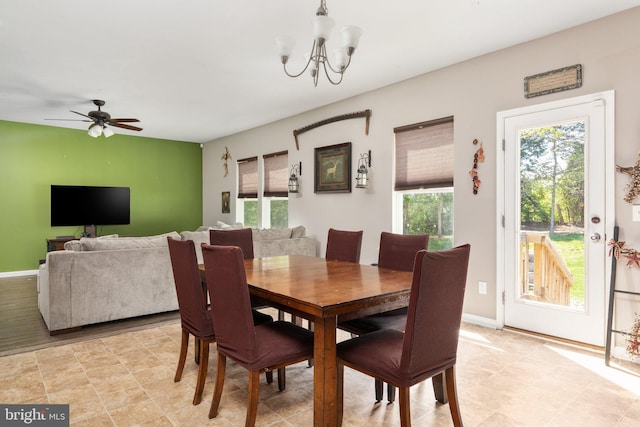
(89, 206)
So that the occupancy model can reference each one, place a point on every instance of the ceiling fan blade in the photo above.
(123, 126)
(124, 120)
(83, 115)
(71, 120)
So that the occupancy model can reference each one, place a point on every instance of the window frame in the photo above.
(444, 186)
(263, 196)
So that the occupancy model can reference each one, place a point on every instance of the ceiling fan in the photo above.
(101, 119)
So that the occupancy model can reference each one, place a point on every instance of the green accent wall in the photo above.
(165, 178)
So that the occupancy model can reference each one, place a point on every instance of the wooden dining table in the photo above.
(326, 292)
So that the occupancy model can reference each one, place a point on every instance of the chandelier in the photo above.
(318, 58)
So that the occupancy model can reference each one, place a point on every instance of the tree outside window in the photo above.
(429, 212)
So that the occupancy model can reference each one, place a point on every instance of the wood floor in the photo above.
(22, 328)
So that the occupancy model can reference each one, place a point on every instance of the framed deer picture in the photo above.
(333, 169)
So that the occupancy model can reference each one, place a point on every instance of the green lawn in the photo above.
(571, 247)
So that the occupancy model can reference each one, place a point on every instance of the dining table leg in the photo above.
(325, 383)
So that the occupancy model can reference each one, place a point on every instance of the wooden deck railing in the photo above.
(549, 279)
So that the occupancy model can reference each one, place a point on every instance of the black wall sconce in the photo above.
(296, 170)
(362, 177)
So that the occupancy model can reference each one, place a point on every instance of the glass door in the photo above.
(555, 219)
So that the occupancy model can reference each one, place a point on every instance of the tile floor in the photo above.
(504, 379)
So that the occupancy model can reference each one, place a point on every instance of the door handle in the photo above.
(595, 237)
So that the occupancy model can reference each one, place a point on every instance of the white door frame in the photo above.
(608, 97)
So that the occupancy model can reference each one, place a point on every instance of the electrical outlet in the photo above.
(635, 212)
(482, 288)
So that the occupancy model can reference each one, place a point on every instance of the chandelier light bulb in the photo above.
(322, 26)
(351, 37)
(341, 57)
(285, 47)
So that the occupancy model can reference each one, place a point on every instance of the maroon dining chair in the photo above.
(344, 245)
(241, 237)
(428, 346)
(397, 252)
(195, 317)
(341, 246)
(257, 348)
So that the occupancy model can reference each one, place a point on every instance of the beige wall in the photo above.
(473, 92)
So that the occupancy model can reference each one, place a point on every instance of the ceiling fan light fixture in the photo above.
(101, 119)
(95, 130)
(107, 132)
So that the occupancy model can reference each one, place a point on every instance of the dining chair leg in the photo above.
(252, 405)
(269, 376)
(196, 350)
(184, 345)
(379, 386)
(311, 328)
(202, 371)
(391, 393)
(282, 379)
(439, 389)
(454, 407)
(340, 395)
(217, 393)
(405, 407)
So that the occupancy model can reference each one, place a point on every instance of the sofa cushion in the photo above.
(220, 226)
(75, 245)
(271, 234)
(160, 240)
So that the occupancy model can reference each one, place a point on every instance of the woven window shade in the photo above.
(424, 155)
(248, 178)
(276, 178)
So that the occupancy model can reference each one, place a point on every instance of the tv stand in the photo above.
(57, 244)
(90, 231)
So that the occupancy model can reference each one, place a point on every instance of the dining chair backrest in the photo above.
(189, 290)
(344, 245)
(398, 251)
(435, 311)
(241, 237)
(230, 303)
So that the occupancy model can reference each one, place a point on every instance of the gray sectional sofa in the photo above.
(109, 278)
(266, 242)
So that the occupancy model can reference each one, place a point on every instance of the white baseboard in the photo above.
(18, 273)
(480, 321)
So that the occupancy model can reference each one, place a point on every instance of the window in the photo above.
(424, 181)
(276, 191)
(247, 205)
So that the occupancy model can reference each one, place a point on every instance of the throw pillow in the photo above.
(299, 231)
(73, 245)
